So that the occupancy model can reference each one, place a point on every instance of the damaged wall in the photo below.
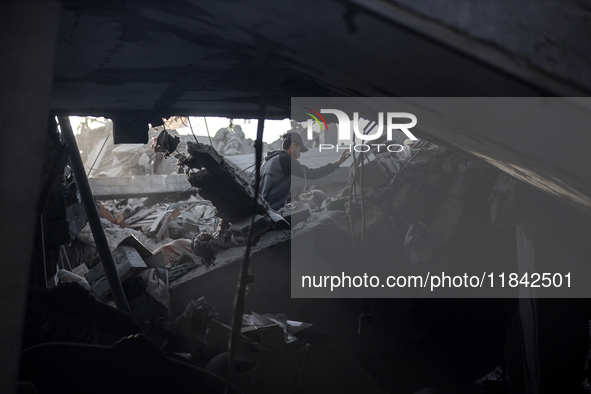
(26, 78)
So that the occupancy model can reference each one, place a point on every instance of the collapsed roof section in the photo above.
(136, 62)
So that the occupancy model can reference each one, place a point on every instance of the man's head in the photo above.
(293, 144)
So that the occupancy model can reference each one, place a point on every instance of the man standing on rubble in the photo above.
(280, 164)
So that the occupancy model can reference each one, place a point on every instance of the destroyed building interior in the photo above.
(137, 258)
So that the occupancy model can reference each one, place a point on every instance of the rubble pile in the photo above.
(371, 174)
(189, 234)
(102, 158)
(154, 243)
(146, 270)
(424, 195)
(231, 142)
(154, 224)
(160, 247)
(170, 238)
(148, 240)
(168, 254)
(428, 206)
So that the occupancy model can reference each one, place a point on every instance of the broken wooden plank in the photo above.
(148, 220)
(165, 222)
(241, 228)
(141, 224)
(144, 213)
(156, 223)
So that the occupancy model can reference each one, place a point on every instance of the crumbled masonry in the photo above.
(422, 205)
(218, 182)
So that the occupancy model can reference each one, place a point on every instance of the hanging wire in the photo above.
(207, 128)
(191, 127)
(245, 276)
(353, 194)
(43, 249)
(351, 189)
(246, 169)
(98, 155)
(368, 128)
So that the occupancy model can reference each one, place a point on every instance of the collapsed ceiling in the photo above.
(206, 58)
(139, 61)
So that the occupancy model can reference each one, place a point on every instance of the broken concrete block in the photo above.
(177, 229)
(202, 248)
(240, 228)
(80, 270)
(295, 212)
(218, 182)
(137, 245)
(232, 141)
(299, 213)
(189, 218)
(313, 197)
(190, 223)
(156, 287)
(336, 204)
(219, 245)
(156, 261)
(127, 262)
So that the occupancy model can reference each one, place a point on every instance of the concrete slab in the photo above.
(270, 266)
(138, 186)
